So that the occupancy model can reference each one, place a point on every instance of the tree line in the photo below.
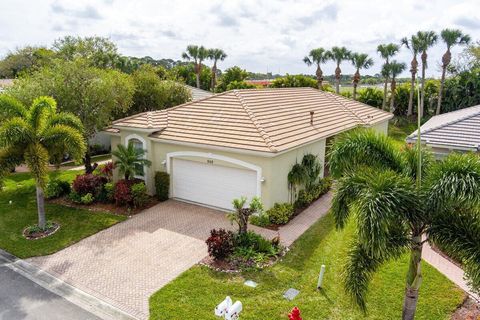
(418, 44)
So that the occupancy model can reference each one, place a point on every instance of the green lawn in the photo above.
(75, 224)
(195, 293)
(400, 128)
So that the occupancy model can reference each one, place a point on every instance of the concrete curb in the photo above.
(76, 296)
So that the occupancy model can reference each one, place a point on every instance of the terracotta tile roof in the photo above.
(268, 120)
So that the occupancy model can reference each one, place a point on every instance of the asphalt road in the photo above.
(21, 298)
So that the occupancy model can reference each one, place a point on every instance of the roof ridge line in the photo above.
(415, 133)
(252, 117)
(329, 94)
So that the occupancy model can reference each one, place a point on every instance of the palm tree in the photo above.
(129, 159)
(426, 39)
(359, 61)
(215, 55)
(414, 46)
(198, 55)
(451, 37)
(35, 136)
(317, 56)
(386, 52)
(338, 54)
(395, 203)
(394, 69)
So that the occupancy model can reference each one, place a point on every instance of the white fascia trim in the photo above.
(451, 147)
(208, 155)
(144, 143)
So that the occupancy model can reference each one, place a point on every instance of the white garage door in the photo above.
(210, 184)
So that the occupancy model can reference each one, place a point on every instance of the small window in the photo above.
(139, 169)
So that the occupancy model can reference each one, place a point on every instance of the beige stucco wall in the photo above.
(274, 170)
(381, 127)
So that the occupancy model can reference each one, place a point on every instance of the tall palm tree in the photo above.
(377, 187)
(387, 51)
(394, 69)
(35, 136)
(359, 61)
(414, 46)
(426, 39)
(215, 55)
(338, 54)
(129, 159)
(197, 54)
(317, 56)
(451, 37)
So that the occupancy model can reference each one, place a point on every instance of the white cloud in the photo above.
(257, 35)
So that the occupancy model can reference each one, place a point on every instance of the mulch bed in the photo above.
(469, 310)
(41, 234)
(105, 207)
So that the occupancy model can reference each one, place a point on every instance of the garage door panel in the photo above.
(210, 184)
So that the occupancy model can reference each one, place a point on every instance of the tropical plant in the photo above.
(129, 159)
(94, 95)
(242, 213)
(198, 54)
(338, 54)
(294, 81)
(395, 202)
(371, 96)
(386, 51)
(414, 46)
(426, 39)
(462, 91)
(359, 61)
(451, 37)
(296, 178)
(215, 55)
(312, 167)
(35, 136)
(317, 57)
(394, 69)
(233, 77)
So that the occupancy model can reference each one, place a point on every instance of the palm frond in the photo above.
(9, 158)
(15, 131)
(455, 180)
(64, 139)
(411, 157)
(363, 147)
(457, 232)
(11, 107)
(36, 158)
(360, 267)
(65, 118)
(42, 108)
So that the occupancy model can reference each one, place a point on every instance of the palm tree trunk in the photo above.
(356, 80)
(355, 90)
(385, 90)
(319, 75)
(410, 98)
(414, 279)
(446, 61)
(392, 94)
(214, 76)
(197, 75)
(338, 74)
(88, 161)
(40, 207)
(422, 92)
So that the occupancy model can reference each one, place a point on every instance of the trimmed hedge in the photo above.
(162, 185)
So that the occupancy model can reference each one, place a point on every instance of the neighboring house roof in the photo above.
(266, 120)
(457, 130)
(4, 83)
(198, 94)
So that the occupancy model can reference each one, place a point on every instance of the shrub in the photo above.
(123, 195)
(57, 188)
(253, 242)
(106, 170)
(371, 96)
(261, 220)
(75, 197)
(220, 243)
(87, 199)
(162, 185)
(89, 183)
(139, 194)
(109, 189)
(305, 197)
(280, 213)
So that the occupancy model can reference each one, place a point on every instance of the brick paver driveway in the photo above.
(128, 262)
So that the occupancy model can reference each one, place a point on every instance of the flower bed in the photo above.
(35, 232)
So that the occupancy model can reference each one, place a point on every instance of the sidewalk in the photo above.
(448, 268)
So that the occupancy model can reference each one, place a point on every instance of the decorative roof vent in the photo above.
(311, 117)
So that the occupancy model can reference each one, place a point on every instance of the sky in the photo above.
(259, 36)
